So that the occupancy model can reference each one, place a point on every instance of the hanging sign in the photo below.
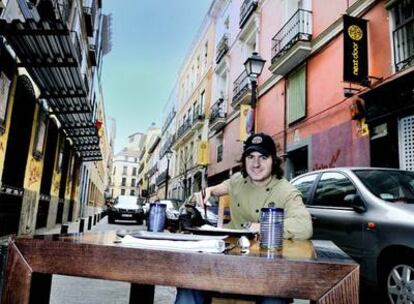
(202, 153)
(355, 49)
(246, 121)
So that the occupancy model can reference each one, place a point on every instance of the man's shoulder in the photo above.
(236, 179)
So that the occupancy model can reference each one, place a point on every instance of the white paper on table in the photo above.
(212, 246)
(224, 230)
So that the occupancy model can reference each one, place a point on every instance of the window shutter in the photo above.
(296, 95)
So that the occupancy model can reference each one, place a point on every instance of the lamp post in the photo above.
(254, 66)
(168, 154)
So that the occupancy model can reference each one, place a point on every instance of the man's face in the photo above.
(258, 166)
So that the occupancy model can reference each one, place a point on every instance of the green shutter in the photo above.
(296, 95)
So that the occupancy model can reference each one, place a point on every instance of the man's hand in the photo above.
(203, 199)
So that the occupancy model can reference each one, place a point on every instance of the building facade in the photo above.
(51, 112)
(321, 108)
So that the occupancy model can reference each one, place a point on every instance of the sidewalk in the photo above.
(73, 227)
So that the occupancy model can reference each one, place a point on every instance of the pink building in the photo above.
(304, 101)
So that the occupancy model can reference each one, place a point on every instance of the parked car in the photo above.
(126, 207)
(368, 213)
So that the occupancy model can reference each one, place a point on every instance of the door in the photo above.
(333, 218)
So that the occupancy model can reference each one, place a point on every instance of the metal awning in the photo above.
(52, 55)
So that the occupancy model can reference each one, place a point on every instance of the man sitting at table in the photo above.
(260, 182)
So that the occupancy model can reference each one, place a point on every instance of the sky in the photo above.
(150, 39)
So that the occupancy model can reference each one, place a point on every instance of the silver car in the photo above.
(369, 213)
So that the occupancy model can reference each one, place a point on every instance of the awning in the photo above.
(394, 96)
(52, 55)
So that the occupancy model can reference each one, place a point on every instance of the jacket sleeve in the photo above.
(298, 222)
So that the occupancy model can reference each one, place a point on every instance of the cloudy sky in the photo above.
(149, 42)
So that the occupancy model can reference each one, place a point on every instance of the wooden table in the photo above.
(317, 271)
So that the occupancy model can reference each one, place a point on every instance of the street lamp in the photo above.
(168, 154)
(254, 66)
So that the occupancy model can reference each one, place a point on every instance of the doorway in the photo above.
(16, 156)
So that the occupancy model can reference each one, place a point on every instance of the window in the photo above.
(219, 149)
(332, 189)
(123, 183)
(202, 101)
(403, 32)
(133, 182)
(122, 191)
(134, 171)
(296, 95)
(304, 185)
(124, 170)
(132, 192)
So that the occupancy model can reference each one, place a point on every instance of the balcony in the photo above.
(161, 178)
(168, 121)
(153, 170)
(184, 132)
(222, 48)
(166, 146)
(292, 44)
(246, 10)
(403, 40)
(198, 119)
(217, 116)
(141, 168)
(52, 55)
(241, 91)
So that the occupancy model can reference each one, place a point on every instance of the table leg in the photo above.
(346, 291)
(41, 287)
(16, 287)
(143, 294)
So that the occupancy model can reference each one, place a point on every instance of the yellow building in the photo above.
(194, 97)
(51, 113)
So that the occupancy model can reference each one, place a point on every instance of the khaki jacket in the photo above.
(246, 200)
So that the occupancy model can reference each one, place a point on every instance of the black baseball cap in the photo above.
(261, 143)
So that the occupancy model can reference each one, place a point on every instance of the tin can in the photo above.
(271, 228)
(157, 217)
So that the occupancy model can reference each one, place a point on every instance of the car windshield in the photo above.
(127, 201)
(389, 185)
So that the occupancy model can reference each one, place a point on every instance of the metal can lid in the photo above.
(267, 209)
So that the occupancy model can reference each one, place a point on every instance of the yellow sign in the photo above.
(363, 129)
(202, 153)
(244, 111)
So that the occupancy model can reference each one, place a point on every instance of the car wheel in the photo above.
(111, 220)
(398, 280)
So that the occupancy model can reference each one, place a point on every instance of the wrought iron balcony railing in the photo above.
(183, 128)
(222, 47)
(246, 10)
(403, 39)
(297, 28)
(166, 146)
(217, 112)
(161, 178)
(240, 87)
(168, 120)
(217, 115)
(152, 171)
